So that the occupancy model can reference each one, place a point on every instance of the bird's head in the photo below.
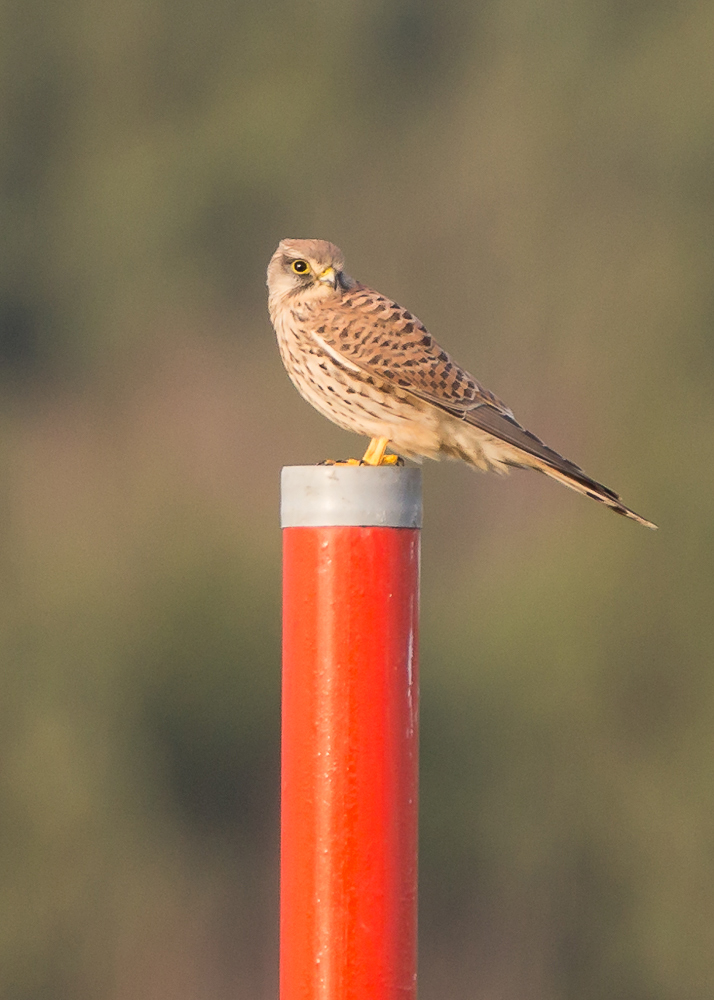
(307, 269)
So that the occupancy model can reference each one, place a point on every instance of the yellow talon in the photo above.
(375, 452)
(373, 456)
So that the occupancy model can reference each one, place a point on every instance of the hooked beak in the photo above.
(329, 276)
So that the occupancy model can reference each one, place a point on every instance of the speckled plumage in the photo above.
(373, 368)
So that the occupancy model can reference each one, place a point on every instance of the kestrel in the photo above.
(372, 367)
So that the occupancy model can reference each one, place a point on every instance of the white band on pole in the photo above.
(386, 496)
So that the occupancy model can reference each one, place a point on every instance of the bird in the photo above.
(373, 368)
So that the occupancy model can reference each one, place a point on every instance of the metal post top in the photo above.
(385, 496)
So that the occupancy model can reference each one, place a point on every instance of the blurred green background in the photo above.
(535, 179)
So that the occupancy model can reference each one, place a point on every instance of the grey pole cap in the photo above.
(359, 495)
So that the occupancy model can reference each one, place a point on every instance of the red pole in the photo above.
(350, 733)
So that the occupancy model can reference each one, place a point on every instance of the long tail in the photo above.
(589, 488)
(531, 453)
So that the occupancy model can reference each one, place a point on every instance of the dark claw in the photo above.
(399, 462)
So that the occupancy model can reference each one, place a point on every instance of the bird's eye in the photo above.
(301, 266)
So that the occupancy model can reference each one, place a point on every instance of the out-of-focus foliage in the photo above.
(534, 179)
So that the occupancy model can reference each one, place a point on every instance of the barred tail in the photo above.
(589, 488)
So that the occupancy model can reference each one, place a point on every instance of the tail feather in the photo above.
(530, 452)
(589, 488)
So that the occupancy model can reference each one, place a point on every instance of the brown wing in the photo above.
(383, 339)
(386, 340)
(379, 337)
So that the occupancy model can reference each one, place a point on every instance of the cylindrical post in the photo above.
(349, 732)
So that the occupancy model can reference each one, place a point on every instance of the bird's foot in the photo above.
(375, 452)
(375, 455)
(386, 460)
